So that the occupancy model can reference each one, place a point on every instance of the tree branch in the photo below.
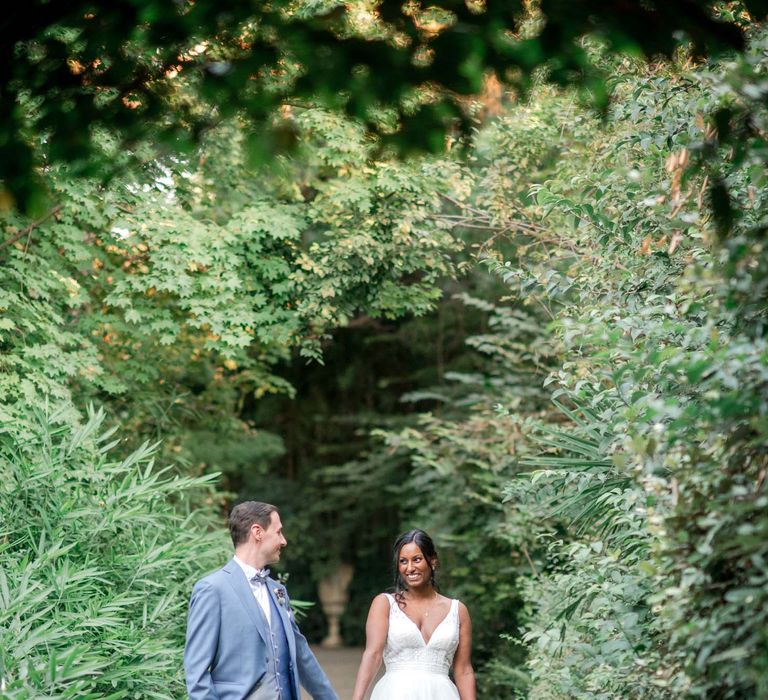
(25, 231)
(530, 561)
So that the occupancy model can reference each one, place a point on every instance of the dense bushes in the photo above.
(665, 372)
(98, 555)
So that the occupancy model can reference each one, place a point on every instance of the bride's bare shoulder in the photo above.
(382, 600)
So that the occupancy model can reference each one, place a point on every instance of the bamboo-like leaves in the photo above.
(96, 566)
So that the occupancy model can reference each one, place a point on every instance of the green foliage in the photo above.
(591, 628)
(652, 464)
(98, 554)
(148, 72)
(173, 293)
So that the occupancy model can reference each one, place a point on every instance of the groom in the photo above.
(242, 639)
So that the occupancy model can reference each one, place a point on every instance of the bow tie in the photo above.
(260, 577)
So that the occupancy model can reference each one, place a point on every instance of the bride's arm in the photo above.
(463, 673)
(376, 629)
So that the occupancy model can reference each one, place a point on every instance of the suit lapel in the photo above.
(243, 591)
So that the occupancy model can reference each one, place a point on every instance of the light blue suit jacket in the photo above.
(226, 655)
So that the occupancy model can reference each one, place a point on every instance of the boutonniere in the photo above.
(280, 595)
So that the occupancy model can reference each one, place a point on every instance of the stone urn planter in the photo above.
(333, 590)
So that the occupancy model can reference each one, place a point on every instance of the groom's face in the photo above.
(272, 540)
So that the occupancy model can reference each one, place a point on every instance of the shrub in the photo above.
(98, 558)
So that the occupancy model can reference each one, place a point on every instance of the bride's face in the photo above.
(414, 568)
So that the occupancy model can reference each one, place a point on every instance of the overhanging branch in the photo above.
(27, 230)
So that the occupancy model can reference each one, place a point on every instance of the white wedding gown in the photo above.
(416, 670)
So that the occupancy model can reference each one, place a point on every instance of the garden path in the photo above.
(341, 667)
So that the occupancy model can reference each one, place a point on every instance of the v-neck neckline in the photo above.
(416, 627)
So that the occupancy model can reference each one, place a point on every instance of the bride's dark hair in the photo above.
(424, 542)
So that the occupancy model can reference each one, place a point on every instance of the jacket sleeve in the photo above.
(311, 674)
(203, 625)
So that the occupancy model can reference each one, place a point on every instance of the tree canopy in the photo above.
(165, 72)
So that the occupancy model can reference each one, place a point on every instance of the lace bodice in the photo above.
(405, 648)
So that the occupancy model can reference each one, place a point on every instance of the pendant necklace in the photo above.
(431, 605)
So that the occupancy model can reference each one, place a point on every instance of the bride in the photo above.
(419, 633)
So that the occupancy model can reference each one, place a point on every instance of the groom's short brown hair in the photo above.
(246, 514)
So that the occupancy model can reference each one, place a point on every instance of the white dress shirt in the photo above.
(259, 590)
